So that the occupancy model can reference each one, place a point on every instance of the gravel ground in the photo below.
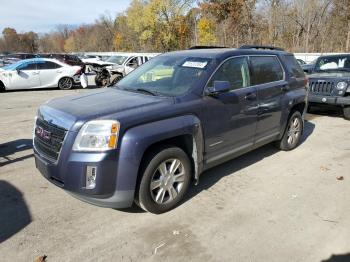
(265, 206)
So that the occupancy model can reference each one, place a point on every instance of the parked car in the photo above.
(39, 73)
(301, 62)
(13, 58)
(307, 68)
(110, 71)
(161, 126)
(90, 58)
(65, 58)
(330, 82)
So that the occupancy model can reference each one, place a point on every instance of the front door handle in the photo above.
(285, 88)
(250, 96)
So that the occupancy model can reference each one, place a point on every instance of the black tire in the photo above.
(346, 112)
(151, 174)
(65, 83)
(2, 87)
(116, 79)
(293, 133)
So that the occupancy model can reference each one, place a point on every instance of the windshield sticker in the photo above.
(195, 64)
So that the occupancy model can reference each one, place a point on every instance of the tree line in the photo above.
(165, 25)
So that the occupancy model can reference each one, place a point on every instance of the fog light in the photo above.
(91, 172)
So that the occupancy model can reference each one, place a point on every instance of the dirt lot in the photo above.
(264, 206)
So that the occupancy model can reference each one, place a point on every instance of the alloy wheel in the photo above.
(167, 181)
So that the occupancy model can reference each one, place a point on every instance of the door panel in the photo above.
(49, 72)
(27, 76)
(270, 109)
(268, 77)
(231, 117)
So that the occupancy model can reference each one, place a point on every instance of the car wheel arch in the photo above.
(134, 149)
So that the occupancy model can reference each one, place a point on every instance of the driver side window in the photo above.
(235, 71)
(27, 66)
(133, 62)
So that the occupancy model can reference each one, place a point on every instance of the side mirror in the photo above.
(219, 87)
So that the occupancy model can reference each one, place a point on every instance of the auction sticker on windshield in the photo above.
(195, 64)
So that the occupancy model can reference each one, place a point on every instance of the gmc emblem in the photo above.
(39, 131)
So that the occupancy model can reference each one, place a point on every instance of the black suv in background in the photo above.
(169, 120)
(330, 82)
(65, 58)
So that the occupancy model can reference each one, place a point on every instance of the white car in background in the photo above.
(39, 73)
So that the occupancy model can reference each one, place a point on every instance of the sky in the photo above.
(44, 16)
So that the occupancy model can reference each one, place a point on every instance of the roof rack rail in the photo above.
(205, 47)
(261, 47)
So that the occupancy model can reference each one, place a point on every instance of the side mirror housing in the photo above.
(219, 87)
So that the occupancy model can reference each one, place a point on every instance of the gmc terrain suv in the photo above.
(330, 82)
(161, 126)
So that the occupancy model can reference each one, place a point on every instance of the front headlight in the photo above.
(97, 135)
(342, 85)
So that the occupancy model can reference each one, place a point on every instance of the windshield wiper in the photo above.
(146, 91)
(138, 90)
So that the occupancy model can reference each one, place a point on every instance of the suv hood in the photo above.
(110, 102)
(326, 75)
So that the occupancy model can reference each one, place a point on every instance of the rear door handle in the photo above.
(250, 96)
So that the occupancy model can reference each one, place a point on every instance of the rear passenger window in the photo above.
(266, 69)
(48, 65)
(294, 67)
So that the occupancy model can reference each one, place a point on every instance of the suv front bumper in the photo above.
(73, 180)
(330, 100)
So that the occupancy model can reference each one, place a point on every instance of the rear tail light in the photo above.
(78, 72)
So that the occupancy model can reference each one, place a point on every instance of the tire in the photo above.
(2, 87)
(116, 79)
(346, 112)
(161, 189)
(65, 83)
(293, 133)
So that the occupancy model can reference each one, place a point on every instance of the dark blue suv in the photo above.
(174, 117)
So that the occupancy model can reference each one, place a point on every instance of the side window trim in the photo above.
(219, 66)
(279, 61)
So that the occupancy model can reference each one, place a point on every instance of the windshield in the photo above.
(166, 75)
(117, 59)
(341, 63)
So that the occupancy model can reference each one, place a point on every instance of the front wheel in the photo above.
(346, 112)
(165, 179)
(292, 136)
(65, 83)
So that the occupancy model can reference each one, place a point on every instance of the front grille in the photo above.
(322, 87)
(48, 139)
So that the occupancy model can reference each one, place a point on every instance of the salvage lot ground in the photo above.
(264, 206)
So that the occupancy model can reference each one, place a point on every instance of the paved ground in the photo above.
(264, 206)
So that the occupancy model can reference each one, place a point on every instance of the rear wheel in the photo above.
(166, 176)
(293, 133)
(346, 112)
(65, 83)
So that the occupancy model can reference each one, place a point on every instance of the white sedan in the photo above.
(39, 73)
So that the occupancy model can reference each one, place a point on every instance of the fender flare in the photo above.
(137, 140)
